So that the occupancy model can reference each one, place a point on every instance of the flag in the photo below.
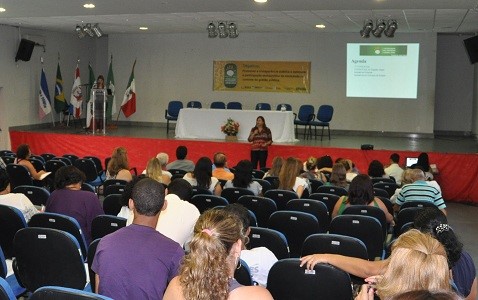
(89, 104)
(44, 97)
(60, 101)
(76, 96)
(110, 85)
(128, 106)
(91, 80)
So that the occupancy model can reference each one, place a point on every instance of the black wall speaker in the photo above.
(471, 45)
(366, 147)
(25, 50)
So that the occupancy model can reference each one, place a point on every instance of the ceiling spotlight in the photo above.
(211, 30)
(88, 5)
(96, 29)
(367, 28)
(233, 30)
(87, 29)
(2, 9)
(143, 28)
(222, 29)
(392, 26)
(260, 1)
(380, 28)
(79, 31)
(321, 26)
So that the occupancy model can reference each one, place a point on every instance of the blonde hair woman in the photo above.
(118, 167)
(207, 271)
(154, 171)
(289, 176)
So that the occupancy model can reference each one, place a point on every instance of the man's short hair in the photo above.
(417, 174)
(4, 180)
(181, 152)
(220, 160)
(181, 188)
(148, 197)
(241, 212)
(395, 158)
(163, 158)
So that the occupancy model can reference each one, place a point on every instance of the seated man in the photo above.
(181, 163)
(136, 261)
(16, 200)
(259, 260)
(419, 190)
(394, 168)
(221, 172)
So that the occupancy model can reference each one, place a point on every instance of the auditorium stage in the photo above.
(455, 158)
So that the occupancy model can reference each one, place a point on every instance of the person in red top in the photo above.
(261, 138)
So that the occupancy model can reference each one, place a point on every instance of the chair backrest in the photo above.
(60, 222)
(233, 194)
(47, 156)
(200, 191)
(388, 204)
(281, 197)
(404, 216)
(330, 189)
(258, 174)
(66, 160)
(37, 195)
(39, 157)
(39, 165)
(334, 244)
(272, 239)
(382, 180)
(177, 171)
(105, 224)
(287, 106)
(204, 202)
(234, 105)
(53, 165)
(71, 157)
(113, 189)
(420, 204)
(273, 180)
(8, 159)
(90, 259)
(287, 280)
(315, 184)
(262, 207)
(306, 112)
(380, 192)
(112, 204)
(6, 292)
(11, 220)
(263, 106)
(266, 185)
(19, 175)
(57, 293)
(88, 167)
(3, 265)
(109, 182)
(242, 273)
(328, 199)
(7, 153)
(296, 226)
(218, 105)
(325, 113)
(97, 161)
(45, 256)
(174, 107)
(390, 187)
(371, 211)
(194, 104)
(87, 187)
(365, 228)
(314, 207)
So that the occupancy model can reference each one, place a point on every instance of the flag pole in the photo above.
(113, 126)
(52, 118)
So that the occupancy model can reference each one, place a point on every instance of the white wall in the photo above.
(179, 66)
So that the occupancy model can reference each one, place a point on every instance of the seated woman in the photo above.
(202, 176)
(311, 171)
(375, 169)
(338, 177)
(424, 163)
(207, 272)
(68, 199)
(277, 163)
(243, 178)
(289, 177)
(23, 154)
(154, 171)
(361, 193)
(118, 167)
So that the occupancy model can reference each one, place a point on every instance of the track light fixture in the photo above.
(88, 29)
(223, 29)
(381, 27)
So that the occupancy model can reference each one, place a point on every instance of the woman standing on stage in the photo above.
(99, 109)
(261, 138)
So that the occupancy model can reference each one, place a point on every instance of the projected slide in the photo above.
(382, 70)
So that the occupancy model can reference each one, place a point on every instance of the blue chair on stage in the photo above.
(218, 105)
(194, 104)
(263, 106)
(304, 117)
(172, 113)
(234, 105)
(324, 116)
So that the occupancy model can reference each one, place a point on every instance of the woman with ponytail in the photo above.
(207, 271)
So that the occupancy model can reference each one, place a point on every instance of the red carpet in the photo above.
(457, 178)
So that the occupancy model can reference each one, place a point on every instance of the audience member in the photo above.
(220, 171)
(23, 154)
(207, 272)
(260, 259)
(68, 199)
(136, 261)
(325, 164)
(118, 167)
(243, 178)
(407, 178)
(360, 193)
(338, 177)
(375, 169)
(181, 163)
(289, 176)
(154, 171)
(394, 170)
(202, 176)
(424, 163)
(350, 170)
(419, 190)
(425, 295)
(311, 170)
(163, 159)
(277, 163)
(16, 200)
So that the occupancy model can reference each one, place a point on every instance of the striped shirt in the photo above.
(420, 191)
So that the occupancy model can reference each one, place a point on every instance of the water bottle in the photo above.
(282, 107)
(260, 106)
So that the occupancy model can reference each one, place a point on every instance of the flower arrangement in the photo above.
(230, 128)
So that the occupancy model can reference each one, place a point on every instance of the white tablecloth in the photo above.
(203, 123)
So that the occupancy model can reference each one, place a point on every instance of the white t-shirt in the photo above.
(193, 181)
(395, 171)
(254, 186)
(260, 260)
(21, 202)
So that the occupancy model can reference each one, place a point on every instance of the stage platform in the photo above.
(455, 158)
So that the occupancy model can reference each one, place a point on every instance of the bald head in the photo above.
(220, 160)
(417, 174)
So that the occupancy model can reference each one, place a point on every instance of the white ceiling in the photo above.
(182, 16)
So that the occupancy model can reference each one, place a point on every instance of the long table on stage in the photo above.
(194, 123)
